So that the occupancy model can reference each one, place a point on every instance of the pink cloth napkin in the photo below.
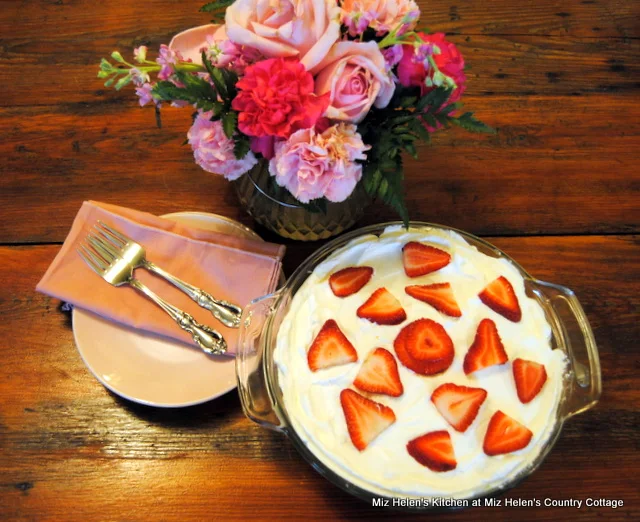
(228, 267)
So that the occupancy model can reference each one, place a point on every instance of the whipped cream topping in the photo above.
(385, 467)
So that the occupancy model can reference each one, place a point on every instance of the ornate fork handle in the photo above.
(208, 339)
(227, 313)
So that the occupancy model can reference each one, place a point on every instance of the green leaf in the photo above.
(407, 101)
(207, 63)
(215, 5)
(468, 122)
(230, 123)
(393, 195)
(196, 91)
(433, 100)
(418, 128)
(450, 108)
(431, 120)
(220, 84)
(383, 188)
(217, 9)
(402, 119)
(230, 78)
(241, 147)
(371, 179)
(443, 119)
(411, 149)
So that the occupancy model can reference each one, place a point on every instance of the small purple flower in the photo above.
(140, 53)
(408, 22)
(226, 54)
(139, 78)
(358, 22)
(167, 58)
(392, 56)
(422, 52)
(248, 56)
(221, 52)
(144, 92)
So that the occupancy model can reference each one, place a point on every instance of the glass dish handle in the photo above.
(570, 322)
(252, 381)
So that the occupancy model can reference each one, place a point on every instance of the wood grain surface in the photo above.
(557, 188)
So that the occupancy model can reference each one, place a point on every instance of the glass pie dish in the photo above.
(262, 398)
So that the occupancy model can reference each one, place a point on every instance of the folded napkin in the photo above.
(230, 268)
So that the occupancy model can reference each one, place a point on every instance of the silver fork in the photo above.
(107, 262)
(225, 312)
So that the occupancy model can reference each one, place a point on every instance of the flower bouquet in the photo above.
(323, 95)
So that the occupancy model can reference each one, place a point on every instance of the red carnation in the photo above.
(276, 98)
(449, 61)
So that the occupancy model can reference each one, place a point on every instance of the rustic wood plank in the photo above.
(160, 18)
(550, 154)
(70, 450)
(519, 64)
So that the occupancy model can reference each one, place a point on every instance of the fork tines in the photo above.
(112, 234)
(98, 250)
(93, 261)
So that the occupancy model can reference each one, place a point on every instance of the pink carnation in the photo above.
(213, 151)
(312, 165)
(276, 98)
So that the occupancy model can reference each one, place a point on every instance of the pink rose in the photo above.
(355, 74)
(190, 43)
(384, 15)
(213, 151)
(305, 29)
(312, 165)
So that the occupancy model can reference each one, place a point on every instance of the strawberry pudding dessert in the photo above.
(413, 365)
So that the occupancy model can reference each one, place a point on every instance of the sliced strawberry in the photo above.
(486, 350)
(530, 377)
(379, 374)
(349, 280)
(433, 450)
(382, 308)
(422, 259)
(459, 405)
(428, 341)
(400, 346)
(501, 298)
(438, 295)
(505, 435)
(330, 348)
(428, 366)
(366, 419)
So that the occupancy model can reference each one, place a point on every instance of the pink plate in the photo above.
(152, 370)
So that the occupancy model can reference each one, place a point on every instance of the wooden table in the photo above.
(557, 188)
